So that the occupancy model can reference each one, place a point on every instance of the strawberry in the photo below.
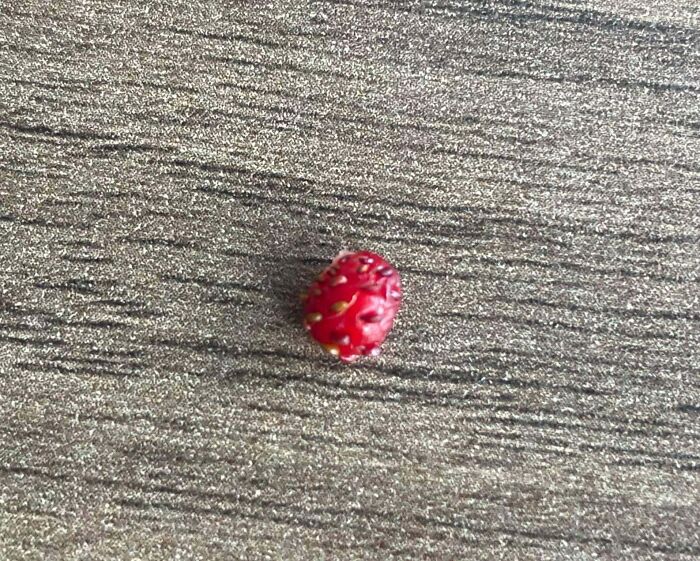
(351, 306)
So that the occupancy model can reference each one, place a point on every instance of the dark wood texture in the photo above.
(173, 173)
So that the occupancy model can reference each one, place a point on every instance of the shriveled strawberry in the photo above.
(351, 306)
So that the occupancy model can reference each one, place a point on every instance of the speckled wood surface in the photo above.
(172, 174)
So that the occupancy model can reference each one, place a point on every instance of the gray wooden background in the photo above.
(173, 173)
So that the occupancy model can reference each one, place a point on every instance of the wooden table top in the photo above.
(173, 173)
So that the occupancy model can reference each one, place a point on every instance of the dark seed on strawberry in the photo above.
(342, 338)
(372, 287)
(351, 307)
(372, 317)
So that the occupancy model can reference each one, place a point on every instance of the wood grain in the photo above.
(173, 173)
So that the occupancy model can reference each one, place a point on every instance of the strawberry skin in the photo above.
(351, 306)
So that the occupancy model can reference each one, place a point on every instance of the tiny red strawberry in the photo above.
(351, 306)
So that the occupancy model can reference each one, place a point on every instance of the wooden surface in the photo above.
(173, 173)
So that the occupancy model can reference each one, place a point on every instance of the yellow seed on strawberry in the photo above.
(340, 306)
(313, 317)
(340, 279)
